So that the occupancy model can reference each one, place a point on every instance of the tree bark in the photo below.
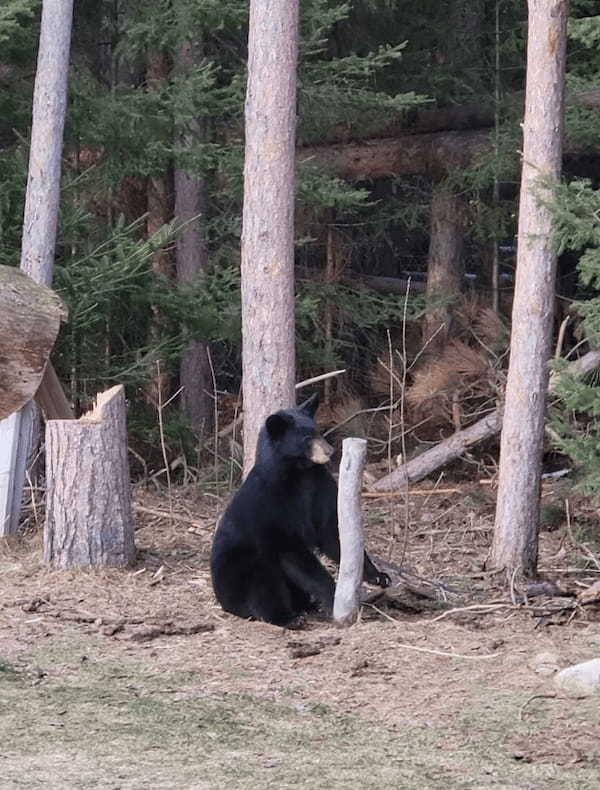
(191, 259)
(30, 317)
(515, 543)
(49, 105)
(268, 360)
(444, 267)
(88, 511)
(352, 540)
(160, 212)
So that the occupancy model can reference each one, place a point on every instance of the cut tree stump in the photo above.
(88, 514)
(30, 317)
(352, 540)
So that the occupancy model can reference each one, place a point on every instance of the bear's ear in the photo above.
(277, 424)
(311, 405)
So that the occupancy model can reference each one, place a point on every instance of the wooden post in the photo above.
(88, 510)
(352, 542)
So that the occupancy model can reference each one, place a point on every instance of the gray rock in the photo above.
(580, 680)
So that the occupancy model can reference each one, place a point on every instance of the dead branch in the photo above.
(164, 514)
(453, 447)
(300, 385)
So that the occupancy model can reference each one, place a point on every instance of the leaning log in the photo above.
(440, 455)
(452, 448)
(433, 154)
(88, 512)
(30, 317)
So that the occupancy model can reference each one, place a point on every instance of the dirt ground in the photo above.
(137, 679)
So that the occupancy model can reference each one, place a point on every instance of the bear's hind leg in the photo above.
(270, 599)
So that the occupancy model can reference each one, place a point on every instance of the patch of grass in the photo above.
(102, 723)
(7, 671)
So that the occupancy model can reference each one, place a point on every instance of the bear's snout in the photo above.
(320, 451)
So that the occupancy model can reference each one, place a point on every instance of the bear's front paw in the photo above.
(297, 624)
(382, 579)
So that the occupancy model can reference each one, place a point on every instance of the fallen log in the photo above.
(429, 117)
(440, 455)
(453, 447)
(406, 155)
(452, 144)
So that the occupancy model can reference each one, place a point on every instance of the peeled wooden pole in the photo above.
(88, 511)
(352, 541)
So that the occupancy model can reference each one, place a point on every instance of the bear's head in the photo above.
(294, 435)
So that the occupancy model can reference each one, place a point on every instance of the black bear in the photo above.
(263, 561)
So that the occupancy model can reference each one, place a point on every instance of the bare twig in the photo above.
(216, 414)
(165, 514)
(315, 379)
(402, 423)
(481, 608)
(162, 440)
(300, 385)
(389, 440)
(429, 650)
(531, 699)
(561, 337)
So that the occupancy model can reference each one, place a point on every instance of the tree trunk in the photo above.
(191, 255)
(88, 509)
(444, 267)
(515, 543)
(268, 222)
(40, 217)
(352, 539)
(160, 212)
(49, 105)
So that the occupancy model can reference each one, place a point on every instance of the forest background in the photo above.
(149, 237)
